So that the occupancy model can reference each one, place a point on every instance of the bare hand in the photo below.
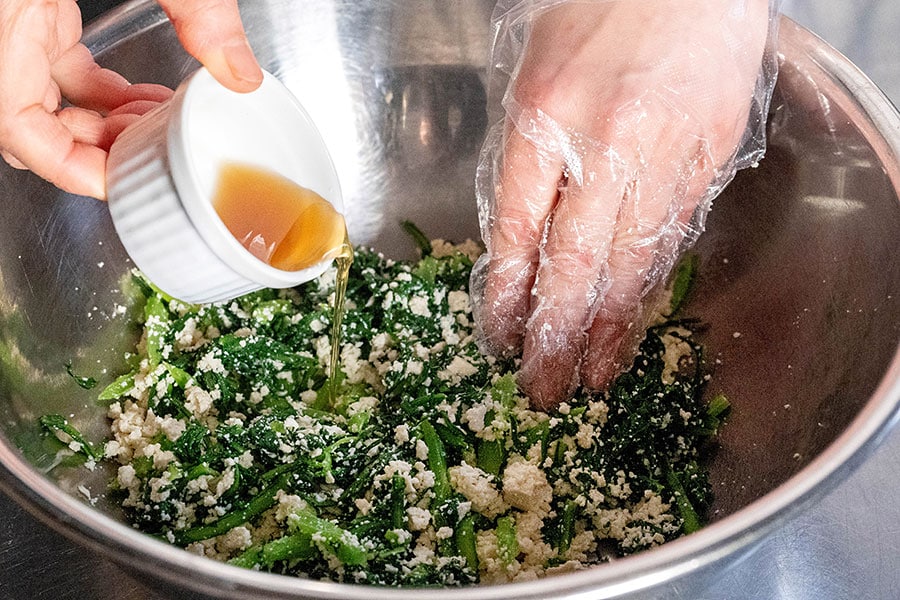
(43, 62)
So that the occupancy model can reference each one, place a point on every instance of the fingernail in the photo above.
(241, 61)
(549, 377)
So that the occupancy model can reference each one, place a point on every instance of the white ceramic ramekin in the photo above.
(162, 173)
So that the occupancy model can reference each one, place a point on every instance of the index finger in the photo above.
(211, 31)
(526, 192)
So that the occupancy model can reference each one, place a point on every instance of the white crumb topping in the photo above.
(478, 488)
(525, 487)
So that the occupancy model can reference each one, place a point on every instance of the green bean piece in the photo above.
(118, 388)
(337, 540)
(507, 544)
(290, 547)
(437, 462)
(465, 541)
(490, 456)
(566, 527)
(690, 518)
(156, 323)
(258, 504)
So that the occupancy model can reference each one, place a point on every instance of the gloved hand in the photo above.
(42, 62)
(623, 120)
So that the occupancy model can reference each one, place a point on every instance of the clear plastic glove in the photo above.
(42, 62)
(623, 120)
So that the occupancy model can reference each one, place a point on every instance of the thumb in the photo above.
(211, 31)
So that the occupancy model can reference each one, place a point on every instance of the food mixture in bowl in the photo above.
(419, 463)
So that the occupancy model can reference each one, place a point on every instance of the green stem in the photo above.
(290, 547)
(257, 505)
(437, 462)
(398, 502)
(465, 541)
(490, 456)
(340, 542)
(567, 527)
(507, 544)
(421, 240)
(690, 518)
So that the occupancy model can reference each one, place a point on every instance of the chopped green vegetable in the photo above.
(437, 461)
(332, 538)
(118, 388)
(507, 543)
(716, 412)
(59, 426)
(294, 546)
(85, 382)
(683, 281)
(490, 456)
(421, 240)
(466, 541)
(690, 518)
(263, 500)
(566, 527)
(718, 406)
(156, 323)
(419, 462)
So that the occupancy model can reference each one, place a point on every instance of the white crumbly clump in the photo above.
(534, 551)
(493, 569)
(478, 488)
(642, 525)
(363, 505)
(355, 368)
(238, 538)
(458, 302)
(418, 519)
(134, 427)
(211, 363)
(323, 349)
(458, 369)
(441, 248)
(597, 411)
(364, 404)
(416, 477)
(418, 305)
(288, 504)
(401, 434)
(676, 350)
(583, 544)
(474, 417)
(421, 449)
(189, 337)
(198, 401)
(525, 487)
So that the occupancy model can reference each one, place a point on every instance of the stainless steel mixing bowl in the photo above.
(800, 287)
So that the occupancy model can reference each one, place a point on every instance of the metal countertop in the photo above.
(846, 546)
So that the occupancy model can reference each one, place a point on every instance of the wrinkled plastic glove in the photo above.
(623, 119)
(42, 62)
